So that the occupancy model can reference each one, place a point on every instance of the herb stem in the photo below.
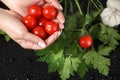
(88, 7)
(95, 4)
(76, 29)
(60, 1)
(94, 49)
(71, 6)
(79, 8)
(65, 7)
(100, 4)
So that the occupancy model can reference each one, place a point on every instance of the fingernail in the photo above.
(60, 7)
(61, 26)
(59, 33)
(61, 21)
(41, 44)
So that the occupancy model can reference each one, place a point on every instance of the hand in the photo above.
(11, 23)
(21, 7)
(22, 36)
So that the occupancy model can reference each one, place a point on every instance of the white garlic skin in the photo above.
(113, 4)
(110, 17)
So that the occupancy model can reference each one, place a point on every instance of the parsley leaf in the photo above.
(104, 51)
(82, 69)
(2, 32)
(97, 61)
(7, 38)
(70, 65)
(109, 36)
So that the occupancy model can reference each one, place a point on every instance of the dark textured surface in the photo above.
(17, 63)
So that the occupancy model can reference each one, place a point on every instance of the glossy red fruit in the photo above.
(49, 12)
(51, 27)
(86, 41)
(40, 32)
(42, 21)
(29, 21)
(35, 10)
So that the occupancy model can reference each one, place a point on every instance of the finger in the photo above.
(34, 39)
(52, 38)
(61, 25)
(55, 3)
(29, 45)
(60, 17)
(22, 8)
(41, 3)
(13, 13)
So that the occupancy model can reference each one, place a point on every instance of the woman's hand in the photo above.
(21, 7)
(19, 33)
(10, 22)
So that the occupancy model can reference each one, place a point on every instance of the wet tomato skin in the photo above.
(51, 27)
(42, 21)
(86, 41)
(49, 12)
(35, 10)
(29, 21)
(40, 32)
(39, 21)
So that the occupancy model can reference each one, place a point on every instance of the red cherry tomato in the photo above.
(30, 22)
(42, 21)
(85, 41)
(35, 10)
(51, 27)
(40, 32)
(49, 12)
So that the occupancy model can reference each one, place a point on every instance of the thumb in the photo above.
(35, 39)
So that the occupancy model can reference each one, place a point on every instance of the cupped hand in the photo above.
(11, 23)
(21, 7)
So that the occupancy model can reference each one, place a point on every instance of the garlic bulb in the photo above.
(110, 17)
(113, 4)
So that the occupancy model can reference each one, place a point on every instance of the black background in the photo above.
(17, 63)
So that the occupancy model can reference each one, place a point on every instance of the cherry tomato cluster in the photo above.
(85, 41)
(39, 20)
